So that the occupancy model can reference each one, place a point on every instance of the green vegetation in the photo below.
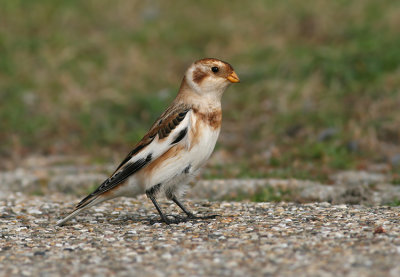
(319, 92)
(396, 179)
(395, 203)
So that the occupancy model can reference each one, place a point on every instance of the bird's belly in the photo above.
(184, 162)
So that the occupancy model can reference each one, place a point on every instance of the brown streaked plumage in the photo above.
(162, 126)
(212, 61)
(177, 145)
(212, 118)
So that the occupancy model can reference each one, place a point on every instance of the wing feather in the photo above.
(168, 121)
(169, 129)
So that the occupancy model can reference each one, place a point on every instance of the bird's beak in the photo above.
(233, 78)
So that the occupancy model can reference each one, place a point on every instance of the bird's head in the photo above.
(210, 77)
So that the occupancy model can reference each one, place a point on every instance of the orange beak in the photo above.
(233, 78)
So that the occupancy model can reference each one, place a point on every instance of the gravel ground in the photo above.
(247, 239)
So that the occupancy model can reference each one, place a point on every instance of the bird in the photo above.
(177, 145)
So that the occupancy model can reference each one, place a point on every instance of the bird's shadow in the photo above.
(151, 220)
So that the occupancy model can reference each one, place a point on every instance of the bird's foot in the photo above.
(176, 219)
(170, 219)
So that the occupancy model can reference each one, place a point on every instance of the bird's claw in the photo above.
(176, 219)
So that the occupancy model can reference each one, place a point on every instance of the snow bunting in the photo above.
(176, 146)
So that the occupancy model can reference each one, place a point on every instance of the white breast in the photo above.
(203, 145)
(180, 169)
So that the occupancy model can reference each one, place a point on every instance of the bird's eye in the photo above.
(214, 69)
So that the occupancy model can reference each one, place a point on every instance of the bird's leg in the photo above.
(151, 193)
(163, 217)
(180, 205)
(188, 213)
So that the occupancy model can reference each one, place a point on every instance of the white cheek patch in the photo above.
(210, 87)
(190, 78)
(207, 84)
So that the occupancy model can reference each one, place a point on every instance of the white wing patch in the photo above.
(159, 146)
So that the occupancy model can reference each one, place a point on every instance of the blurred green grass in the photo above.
(319, 92)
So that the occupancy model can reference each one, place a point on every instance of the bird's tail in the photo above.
(80, 208)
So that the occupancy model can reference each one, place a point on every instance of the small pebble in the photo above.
(247, 239)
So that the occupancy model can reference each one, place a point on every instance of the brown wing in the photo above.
(162, 126)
